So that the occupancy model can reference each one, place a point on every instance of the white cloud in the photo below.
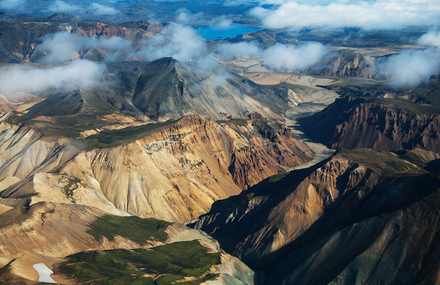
(380, 14)
(430, 39)
(62, 7)
(179, 42)
(184, 16)
(102, 9)
(184, 44)
(77, 74)
(410, 68)
(12, 4)
(290, 57)
(61, 47)
(231, 50)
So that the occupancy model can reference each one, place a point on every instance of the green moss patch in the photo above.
(240, 122)
(133, 228)
(389, 163)
(159, 265)
(111, 138)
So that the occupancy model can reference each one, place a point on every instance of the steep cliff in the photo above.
(375, 123)
(294, 223)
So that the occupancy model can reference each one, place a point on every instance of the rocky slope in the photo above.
(47, 232)
(375, 123)
(174, 172)
(297, 224)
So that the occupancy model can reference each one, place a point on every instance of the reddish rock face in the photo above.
(357, 122)
(251, 163)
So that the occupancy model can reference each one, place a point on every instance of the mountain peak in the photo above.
(168, 63)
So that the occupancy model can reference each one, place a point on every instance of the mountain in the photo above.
(350, 219)
(381, 124)
(168, 89)
(21, 36)
(345, 63)
(172, 171)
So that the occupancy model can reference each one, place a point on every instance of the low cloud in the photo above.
(379, 14)
(184, 16)
(430, 39)
(410, 68)
(61, 47)
(231, 50)
(12, 4)
(179, 42)
(280, 57)
(185, 44)
(62, 7)
(99, 9)
(77, 74)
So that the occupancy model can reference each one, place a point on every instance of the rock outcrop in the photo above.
(374, 123)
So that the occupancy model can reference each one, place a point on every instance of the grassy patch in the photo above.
(389, 163)
(111, 138)
(154, 115)
(295, 87)
(276, 178)
(342, 84)
(134, 228)
(250, 196)
(240, 122)
(409, 106)
(279, 224)
(170, 263)
(434, 196)
(71, 186)
(302, 155)
(69, 127)
(281, 169)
